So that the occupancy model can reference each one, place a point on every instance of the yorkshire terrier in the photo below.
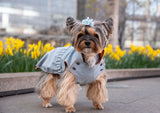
(67, 68)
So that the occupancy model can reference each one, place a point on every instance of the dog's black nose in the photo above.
(87, 43)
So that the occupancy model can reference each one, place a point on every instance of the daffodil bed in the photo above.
(15, 58)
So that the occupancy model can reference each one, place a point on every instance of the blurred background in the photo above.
(135, 21)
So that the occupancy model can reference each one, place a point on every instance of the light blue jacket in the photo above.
(53, 62)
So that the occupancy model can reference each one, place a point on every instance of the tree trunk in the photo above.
(81, 9)
(113, 11)
(122, 21)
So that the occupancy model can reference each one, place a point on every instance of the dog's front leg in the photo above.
(97, 92)
(67, 92)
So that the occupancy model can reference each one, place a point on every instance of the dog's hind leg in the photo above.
(67, 93)
(97, 92)
(46, 88)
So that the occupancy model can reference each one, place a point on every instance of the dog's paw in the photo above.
(98, 106)
(48, 105)
(70, 110)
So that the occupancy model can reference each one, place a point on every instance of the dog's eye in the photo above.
(80, 35)
(96, 36)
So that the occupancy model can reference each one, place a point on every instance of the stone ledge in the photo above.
(27, 80)
(17, 81)
(118, 74)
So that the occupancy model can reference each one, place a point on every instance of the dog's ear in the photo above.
(109, 25)
(71, 23)
(106, 28)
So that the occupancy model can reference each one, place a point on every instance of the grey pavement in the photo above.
(130, 96)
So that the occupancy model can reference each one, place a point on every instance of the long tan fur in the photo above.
(46, 88)
(97, 91)
(68, 90)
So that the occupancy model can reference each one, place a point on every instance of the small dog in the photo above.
(66, 68)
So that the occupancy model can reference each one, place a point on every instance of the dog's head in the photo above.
(89, 39)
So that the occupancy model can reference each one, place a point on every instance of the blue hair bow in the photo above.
(88, 22)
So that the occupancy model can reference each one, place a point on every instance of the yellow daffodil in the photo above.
(68, 44)
(105, 51)
(36, 50)
(9, 51)
(117, 54)
(39, 43)
(47, 47)
(15, 44)
(152, 58)
(1, 48)
(133, 48)
(148, 51)
(130, 52)
(25, 51)
(9, 41)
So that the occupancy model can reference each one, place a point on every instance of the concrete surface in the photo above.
(130, 96)
(16, 81)
(27, 80)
